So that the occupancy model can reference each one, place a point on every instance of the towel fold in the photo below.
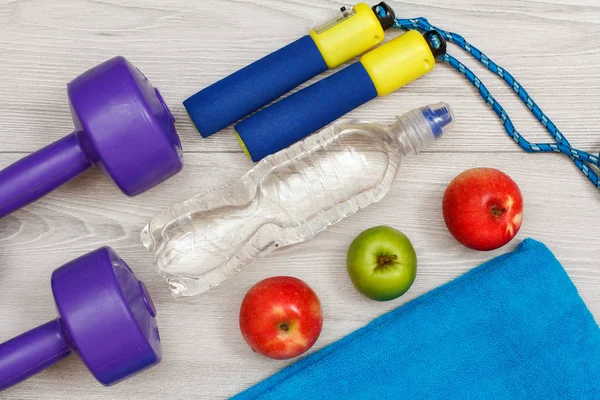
(513, 328)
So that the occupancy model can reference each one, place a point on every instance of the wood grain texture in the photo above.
(182, 46)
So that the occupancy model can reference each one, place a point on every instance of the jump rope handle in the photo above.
(378, 73)
(347, 36)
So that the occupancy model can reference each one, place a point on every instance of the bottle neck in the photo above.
(412, 134)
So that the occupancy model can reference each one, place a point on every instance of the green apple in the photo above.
(382, 263)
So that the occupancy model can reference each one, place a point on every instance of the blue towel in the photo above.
(513, 328)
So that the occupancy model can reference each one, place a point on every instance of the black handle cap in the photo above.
(436, 43)
(385, 15)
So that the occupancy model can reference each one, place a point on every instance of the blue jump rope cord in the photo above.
(580, 158)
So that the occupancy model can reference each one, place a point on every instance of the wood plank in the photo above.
(182, 46)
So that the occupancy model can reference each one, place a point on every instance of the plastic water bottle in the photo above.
(287, 198)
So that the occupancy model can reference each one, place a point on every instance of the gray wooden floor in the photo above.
(552, 46)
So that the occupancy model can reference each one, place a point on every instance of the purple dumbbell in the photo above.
(122, 126)
(105, 314)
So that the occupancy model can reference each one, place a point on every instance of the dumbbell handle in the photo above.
(40, 173)
(31, 352)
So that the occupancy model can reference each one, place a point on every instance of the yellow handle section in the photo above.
(243, 145)
(350, 38)
(398, 62)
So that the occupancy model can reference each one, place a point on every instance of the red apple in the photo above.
(281, 317)
(483, 208)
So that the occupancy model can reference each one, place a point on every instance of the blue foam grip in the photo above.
(297, 116)
(245, 91)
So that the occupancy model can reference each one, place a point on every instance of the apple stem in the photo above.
(497, 211)
(284, 327)
(383, 260)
